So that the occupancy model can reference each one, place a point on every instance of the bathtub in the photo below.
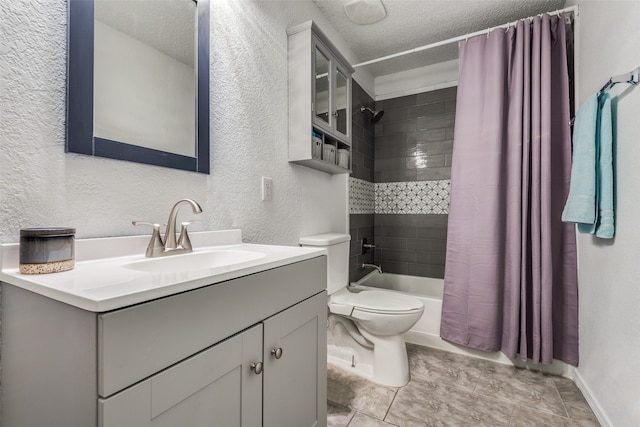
(426, 331)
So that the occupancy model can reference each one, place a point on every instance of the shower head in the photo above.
(375, 115)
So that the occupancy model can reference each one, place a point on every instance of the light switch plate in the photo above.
(267, 188)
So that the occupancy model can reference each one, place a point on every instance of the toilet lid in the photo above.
(377, 301)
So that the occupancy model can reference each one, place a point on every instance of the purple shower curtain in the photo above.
(511, 279)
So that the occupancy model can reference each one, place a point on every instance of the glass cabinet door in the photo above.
(321, 86)
(341, 102)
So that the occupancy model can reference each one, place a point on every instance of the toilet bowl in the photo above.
(381, 318)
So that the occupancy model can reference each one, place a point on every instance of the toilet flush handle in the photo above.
(277, 352)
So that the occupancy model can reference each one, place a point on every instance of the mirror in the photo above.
(138, 81)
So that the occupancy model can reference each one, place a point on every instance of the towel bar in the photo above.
(631, 77)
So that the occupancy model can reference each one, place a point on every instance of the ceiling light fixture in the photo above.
(364, 12)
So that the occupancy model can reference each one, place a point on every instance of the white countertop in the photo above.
(99, 282)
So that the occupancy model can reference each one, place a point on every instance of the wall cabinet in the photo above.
(246, 352)
(319, 101)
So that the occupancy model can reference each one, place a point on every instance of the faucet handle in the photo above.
(154, 225)
(183, 240)
(155, 246)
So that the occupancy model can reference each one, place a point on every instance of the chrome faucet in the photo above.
(377, 267)
(169, 246)
(365, 246)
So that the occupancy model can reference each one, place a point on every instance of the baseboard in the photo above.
(591, 400)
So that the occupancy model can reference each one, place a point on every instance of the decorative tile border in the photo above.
(412, 197)
(361, 196)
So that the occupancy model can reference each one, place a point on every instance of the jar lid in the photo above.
(47, 232)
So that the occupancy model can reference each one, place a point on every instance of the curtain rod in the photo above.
(572, 9)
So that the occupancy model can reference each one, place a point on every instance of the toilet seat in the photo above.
(344, 302)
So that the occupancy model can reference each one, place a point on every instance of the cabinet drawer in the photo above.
(136, 342)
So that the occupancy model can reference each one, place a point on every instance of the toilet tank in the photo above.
(337, 246)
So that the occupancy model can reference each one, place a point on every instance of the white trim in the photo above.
(414, 91)
(572, 9)
(591, 400)
(417, 80)
(364, 87)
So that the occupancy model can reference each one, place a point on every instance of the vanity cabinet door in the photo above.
(295, 365)
(215, 387)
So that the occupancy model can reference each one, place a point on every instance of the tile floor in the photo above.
(448, 389)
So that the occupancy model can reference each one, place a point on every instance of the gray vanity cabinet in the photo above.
(225, 382)
(197, 358)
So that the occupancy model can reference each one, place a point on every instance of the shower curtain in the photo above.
(510, 278)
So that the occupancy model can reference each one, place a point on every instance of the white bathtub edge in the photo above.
(434, 341)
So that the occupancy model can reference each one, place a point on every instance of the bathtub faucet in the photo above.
(377, 267)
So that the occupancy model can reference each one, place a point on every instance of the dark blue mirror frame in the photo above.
(80, 138)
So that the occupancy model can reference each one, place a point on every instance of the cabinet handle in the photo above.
(276, 352)
(256, 367)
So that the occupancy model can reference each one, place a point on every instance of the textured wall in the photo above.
(413, 146)
(609, 271)
(40, 185)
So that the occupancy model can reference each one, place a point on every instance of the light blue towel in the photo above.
(581, 203)
(606, 228)
(590, 201)
(603, 226)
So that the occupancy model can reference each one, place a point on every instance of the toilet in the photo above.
(370, 323)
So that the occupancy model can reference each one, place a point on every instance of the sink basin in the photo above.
(193, 261)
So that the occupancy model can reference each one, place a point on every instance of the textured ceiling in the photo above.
(142, 19)
(414, 23)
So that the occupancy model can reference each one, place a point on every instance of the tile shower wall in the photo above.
(412, 169)
(361, 187)
(363, 135)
